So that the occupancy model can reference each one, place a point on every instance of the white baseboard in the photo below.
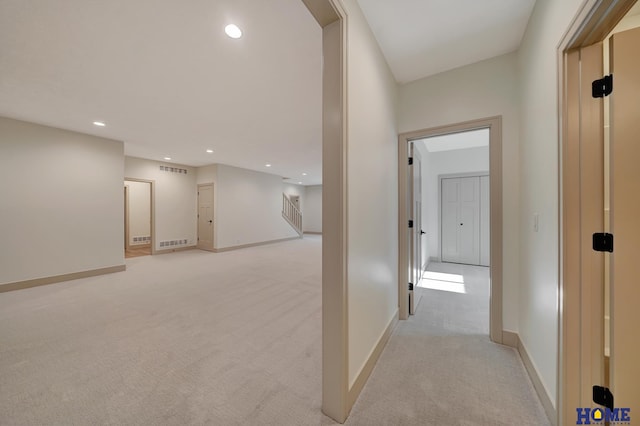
(173, 250)
(512, 339)
(362, 378)
(218, 250)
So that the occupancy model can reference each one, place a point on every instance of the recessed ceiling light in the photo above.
(300, 183)
(304, 174)
(267, 165)
(209, 151)
(167, 158)
(233, 31)
(99, 123)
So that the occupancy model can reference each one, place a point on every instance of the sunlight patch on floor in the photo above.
(442, 281)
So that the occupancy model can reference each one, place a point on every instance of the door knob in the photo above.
(422, 232)
(210, 221)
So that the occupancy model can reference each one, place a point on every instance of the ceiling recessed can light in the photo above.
(209, 151)
(167, 158)
(267, 165)
(233, 31)
(99, 123)
(299, 183)
(304, 174)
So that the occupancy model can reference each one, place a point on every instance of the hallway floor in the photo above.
(440, 368)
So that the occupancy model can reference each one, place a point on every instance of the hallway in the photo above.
(439, 367)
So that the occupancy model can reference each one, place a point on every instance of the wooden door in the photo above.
(205, 217)
(625, 220)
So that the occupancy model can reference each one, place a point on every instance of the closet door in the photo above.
(460, 220)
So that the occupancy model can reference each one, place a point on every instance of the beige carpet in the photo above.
(234, 338)
(182, 339)
(439, 367)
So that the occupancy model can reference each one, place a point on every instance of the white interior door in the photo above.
(625, 215)
(205, 217)
(460, 220)
(417, 226)
(485, 222)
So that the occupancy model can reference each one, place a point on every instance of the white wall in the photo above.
(62, 202)
(484, 89)
(439, 163)
(248, 208)
(139, 211)
(537, 64)
(312, 218)
(372, 191)
(175, 200)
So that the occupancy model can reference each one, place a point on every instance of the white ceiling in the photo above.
(168, 82)
(420, 38)
(453, 141)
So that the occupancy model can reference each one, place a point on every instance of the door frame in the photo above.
(494, 124)
(578, 290)
(214, 217)
(152, 189)
(453, 176)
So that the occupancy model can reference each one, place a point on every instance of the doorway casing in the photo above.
(494, 124)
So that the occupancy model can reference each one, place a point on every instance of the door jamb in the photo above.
(126, 217)
(494, 124)
(337, 397)
(152, 189)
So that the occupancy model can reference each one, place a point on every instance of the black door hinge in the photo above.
(602, 87)
(410, 286)
(603, 396)
(603, 242)
(411, 224)
(410, 161)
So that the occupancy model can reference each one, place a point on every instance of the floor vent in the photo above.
(173, 243)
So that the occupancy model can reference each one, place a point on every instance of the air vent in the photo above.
(173, 170)
(173, 243)
(146, 239)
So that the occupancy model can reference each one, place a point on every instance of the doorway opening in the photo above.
(138, 218)
(419, 200)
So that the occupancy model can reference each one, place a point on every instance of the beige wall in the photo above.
(312, 219)
(372, 191)
(539, 257)
(62, 202)
(175, 200)
(248, 208)
(484, 89)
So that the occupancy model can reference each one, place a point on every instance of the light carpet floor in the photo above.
(234, 338)
(439, 367)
